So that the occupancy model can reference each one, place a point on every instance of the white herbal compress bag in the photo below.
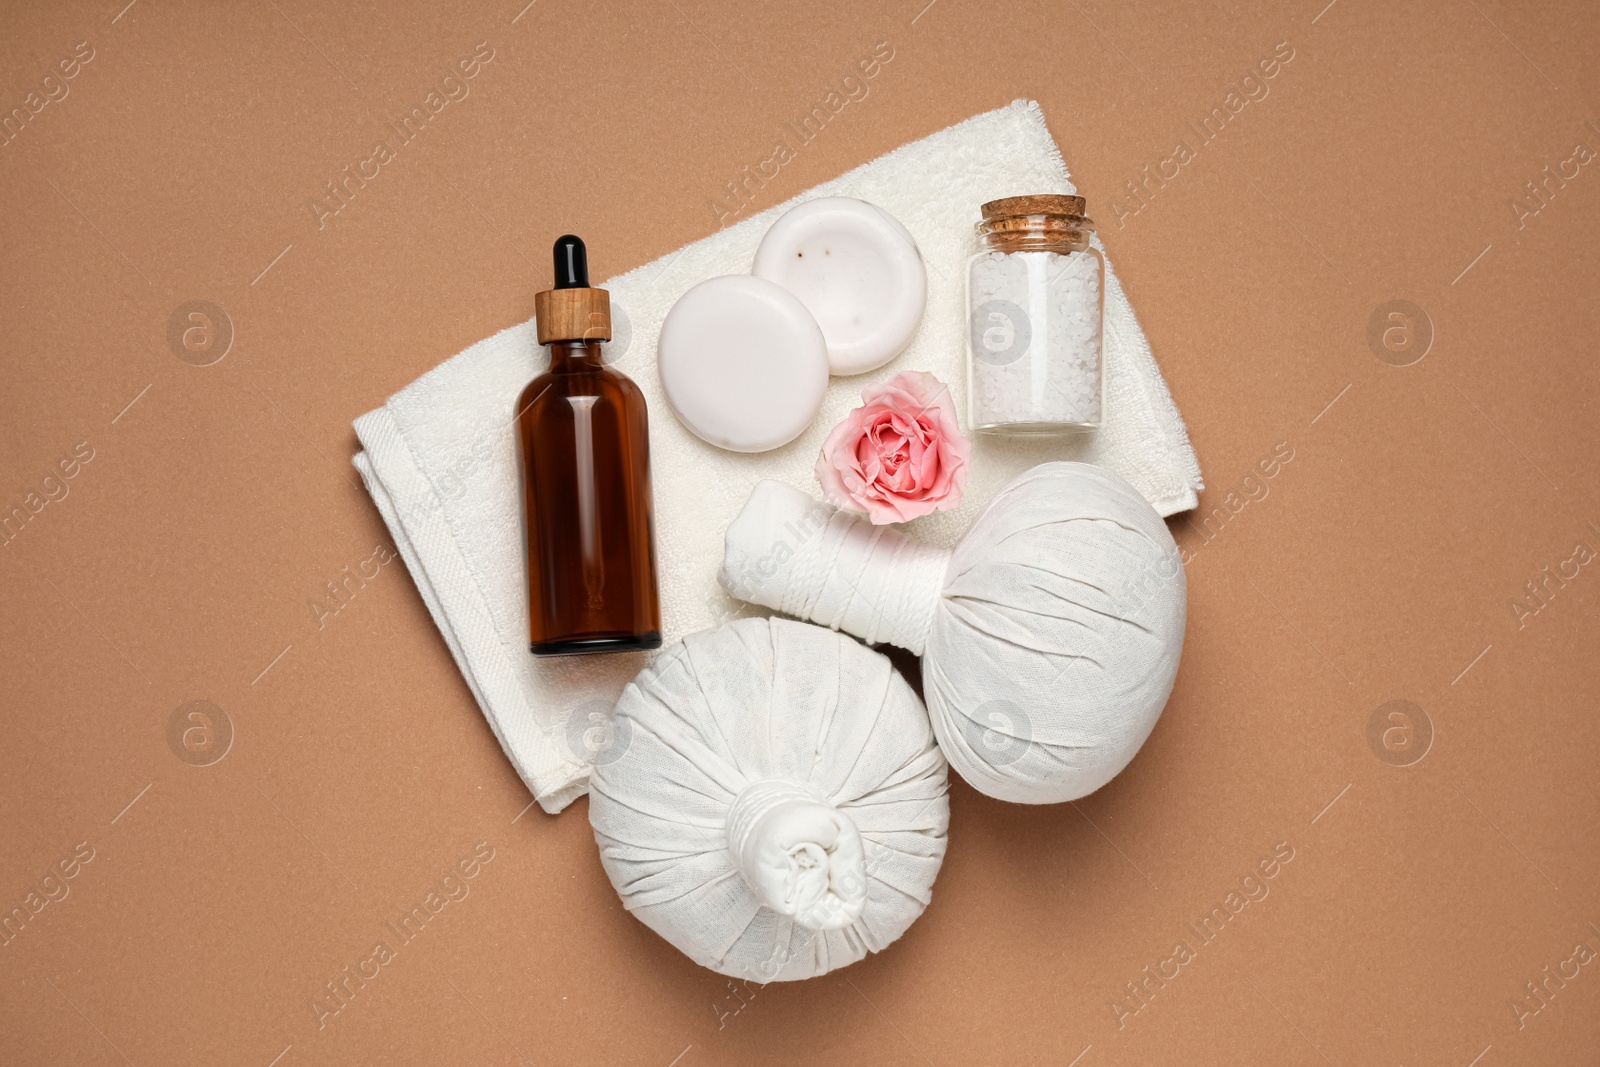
(1049, 635)
(772, 801)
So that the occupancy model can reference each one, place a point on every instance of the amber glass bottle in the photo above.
(585, 447)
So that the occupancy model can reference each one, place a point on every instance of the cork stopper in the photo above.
(1047, 222)
(1041, 204)
(572, 311)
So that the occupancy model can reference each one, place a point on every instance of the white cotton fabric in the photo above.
(440, 457)
(779, 808)
(1049, 636)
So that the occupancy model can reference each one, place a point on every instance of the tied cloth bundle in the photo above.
(1050, 634)
(775, 806)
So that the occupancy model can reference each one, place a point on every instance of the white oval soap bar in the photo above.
(858, 271)
(742, 363)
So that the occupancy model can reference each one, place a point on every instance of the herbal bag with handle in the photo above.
(772, 801)
(1049, 635)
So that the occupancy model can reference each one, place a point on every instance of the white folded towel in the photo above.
(440, 456)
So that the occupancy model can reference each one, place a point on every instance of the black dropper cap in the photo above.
(572, 310)
(572, 263)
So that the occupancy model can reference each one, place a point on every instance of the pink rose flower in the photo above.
(900, 454)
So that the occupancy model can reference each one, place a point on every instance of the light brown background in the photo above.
(1380, 566)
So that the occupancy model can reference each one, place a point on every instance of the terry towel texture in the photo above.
(440, 457)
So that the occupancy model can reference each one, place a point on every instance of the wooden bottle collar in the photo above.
(573, 315)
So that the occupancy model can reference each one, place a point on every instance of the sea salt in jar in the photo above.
(1034, 318)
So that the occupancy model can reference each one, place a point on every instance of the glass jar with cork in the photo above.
(1034, 298)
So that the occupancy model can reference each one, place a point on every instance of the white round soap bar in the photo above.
(743, 363)
(857, 270)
